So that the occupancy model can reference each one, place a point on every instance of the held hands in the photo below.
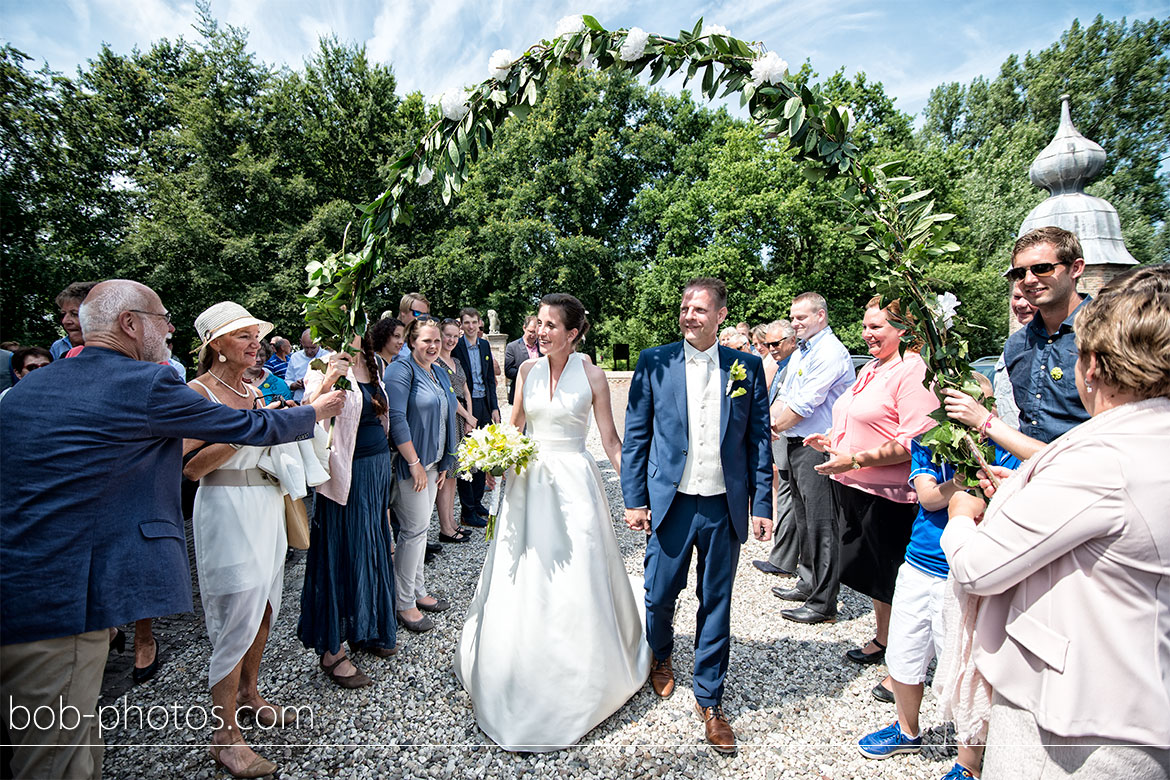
(762, 528)
(329, 404)
(638, 519)
(961, 407)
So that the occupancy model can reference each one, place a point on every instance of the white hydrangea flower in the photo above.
(769, 69)
(947, 304)
(425, 175)
(569, 25)
(716, 29)
(500, 63)
(634, 45)
(454, 105)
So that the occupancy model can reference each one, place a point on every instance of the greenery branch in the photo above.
(895, 226)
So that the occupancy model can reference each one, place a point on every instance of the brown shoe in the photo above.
(662, 677)
(719, 732)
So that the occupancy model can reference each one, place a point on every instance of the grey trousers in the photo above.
(49, 693)
(785, 544)
(817, 528)
(413, 511)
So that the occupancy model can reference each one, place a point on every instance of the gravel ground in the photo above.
(796, 706)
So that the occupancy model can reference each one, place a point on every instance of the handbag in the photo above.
(296, 523)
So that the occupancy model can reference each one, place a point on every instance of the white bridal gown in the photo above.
(554, 642)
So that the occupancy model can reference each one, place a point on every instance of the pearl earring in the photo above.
(222, 359)
(1088, 387)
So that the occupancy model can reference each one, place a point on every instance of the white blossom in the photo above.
(588, 62)
(569, 25)
(454, 105)
(947, 304)
(769, 69)
(500, 63)
(716, 29)
(634, 45)
(425, 175)
(847, 115)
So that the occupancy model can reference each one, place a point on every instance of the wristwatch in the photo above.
(853, 460)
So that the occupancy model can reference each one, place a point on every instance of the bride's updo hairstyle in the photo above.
(572, 312)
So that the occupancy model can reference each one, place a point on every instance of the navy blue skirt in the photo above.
(348, 595)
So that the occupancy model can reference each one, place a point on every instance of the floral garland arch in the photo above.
(895, 225)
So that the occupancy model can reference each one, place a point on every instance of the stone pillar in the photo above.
(499, 342)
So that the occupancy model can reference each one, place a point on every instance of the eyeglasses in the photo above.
(166, 315)
(1038, 270)
(774, 343)
(417, 313)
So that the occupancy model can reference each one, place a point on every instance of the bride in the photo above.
(553, 643)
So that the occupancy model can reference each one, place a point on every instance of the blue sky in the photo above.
(434, 45)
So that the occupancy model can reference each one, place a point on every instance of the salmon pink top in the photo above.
(887, 402)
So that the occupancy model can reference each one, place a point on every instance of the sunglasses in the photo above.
(774, 343)
(1038, 270)
(417, 313)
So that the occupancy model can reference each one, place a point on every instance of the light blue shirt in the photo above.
(477, 387)
(819, 371)
(60, 347)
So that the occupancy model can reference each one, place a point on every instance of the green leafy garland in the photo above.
(895, 226)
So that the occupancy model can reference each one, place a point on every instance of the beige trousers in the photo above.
(49, 693)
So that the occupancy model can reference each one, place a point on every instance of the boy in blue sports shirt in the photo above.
(916, 629)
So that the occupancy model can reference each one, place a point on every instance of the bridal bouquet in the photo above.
(494, 450)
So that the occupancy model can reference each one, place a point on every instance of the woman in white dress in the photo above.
(553, 642)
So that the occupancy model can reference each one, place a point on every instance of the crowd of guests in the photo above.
(1037, 607)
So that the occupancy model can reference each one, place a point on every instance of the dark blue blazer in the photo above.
(654, 451)
(487, 367)
(91, 520)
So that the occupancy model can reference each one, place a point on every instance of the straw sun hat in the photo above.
(225, 317)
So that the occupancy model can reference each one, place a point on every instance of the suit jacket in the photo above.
(514, 356)
(655, 448)
(487, 367)
(1073, 562)
(91, 522)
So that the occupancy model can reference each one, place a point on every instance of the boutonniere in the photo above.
(1056, 373)
(737, 373)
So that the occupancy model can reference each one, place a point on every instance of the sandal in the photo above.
(269, 716)
(258, 768)
(858, 655)
(458, 537)
(356, 680)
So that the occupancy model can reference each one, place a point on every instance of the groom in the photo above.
(696, 459)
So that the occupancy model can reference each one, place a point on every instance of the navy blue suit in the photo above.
(654, 454)
(91, 522)
(471, 493)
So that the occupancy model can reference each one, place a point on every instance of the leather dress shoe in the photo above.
(767, 568)
(719, 732)
(858, 655)
(789, 594)
(662, 677)
(473, 520)
(432, 551)
(806, 615)
(142, 674)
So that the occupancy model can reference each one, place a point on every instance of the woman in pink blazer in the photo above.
(1072, 559)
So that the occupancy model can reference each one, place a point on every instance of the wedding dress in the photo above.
(554, 642)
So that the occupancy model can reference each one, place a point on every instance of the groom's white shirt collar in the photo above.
(712, 352)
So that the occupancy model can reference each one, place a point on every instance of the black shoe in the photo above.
(882, 694)
(806, 615)
(142, 674)
(119, 641)
(858, 655)
(473, 520)
(457, 538)
(767, 568)
(432, 551)
(789, 594)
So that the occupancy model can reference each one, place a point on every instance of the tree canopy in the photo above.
(209, 175)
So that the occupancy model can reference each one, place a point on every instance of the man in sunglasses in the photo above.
(1040, 357)
(412, 306)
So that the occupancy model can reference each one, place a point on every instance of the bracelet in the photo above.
(985, 428)
(415, 463)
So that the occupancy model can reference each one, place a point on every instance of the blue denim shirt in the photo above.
(1041, 368)
(478, 390)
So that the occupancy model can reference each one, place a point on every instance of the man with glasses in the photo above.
(780, 342)
(1041, 356)
(412, 306)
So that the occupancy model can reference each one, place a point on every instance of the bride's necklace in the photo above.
(225, 384)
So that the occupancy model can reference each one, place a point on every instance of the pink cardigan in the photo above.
(344, 436)
(887, 402)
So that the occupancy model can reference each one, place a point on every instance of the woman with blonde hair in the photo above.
(1072, 558)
